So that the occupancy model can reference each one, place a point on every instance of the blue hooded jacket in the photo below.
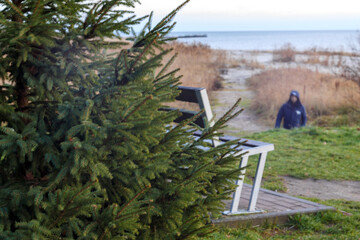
(294, 114)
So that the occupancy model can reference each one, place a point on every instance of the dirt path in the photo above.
(247, 122)
(235, 88)
(323, 189)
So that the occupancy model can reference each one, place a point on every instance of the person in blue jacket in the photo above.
(293, 112)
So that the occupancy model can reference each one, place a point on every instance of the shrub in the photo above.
(286, 53)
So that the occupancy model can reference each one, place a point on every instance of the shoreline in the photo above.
(329, 40)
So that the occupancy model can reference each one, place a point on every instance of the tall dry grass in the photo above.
(199, 64)
(325, 57)
(321, 94)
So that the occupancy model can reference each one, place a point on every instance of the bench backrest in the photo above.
(200, 97)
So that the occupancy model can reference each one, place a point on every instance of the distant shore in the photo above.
(270, 40)
(193, 36)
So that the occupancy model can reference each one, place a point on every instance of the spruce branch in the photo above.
(169, 17)
(118, 215)
(89, 14)
(132, 200)
(195, 231)
(225, 118)
(70, 202)
(122, 53)
(103, 12)
(161, 72)
(35, 12)
(137, 108)
(15, 8)
(226, 153)
(146, 49)
(188, 179)
(167, 75)
(186, 122)
(229, 114)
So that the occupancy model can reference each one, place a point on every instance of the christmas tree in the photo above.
(85, 152)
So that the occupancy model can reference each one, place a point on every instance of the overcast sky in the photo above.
(252, 15)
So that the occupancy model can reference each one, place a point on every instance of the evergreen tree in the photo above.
(85, 152)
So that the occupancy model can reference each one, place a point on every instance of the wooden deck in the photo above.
(276, 208)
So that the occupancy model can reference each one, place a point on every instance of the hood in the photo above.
(296, 94)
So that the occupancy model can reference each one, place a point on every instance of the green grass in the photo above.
(311, 152)
(341, 117)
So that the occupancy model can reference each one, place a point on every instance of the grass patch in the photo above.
(311, 152)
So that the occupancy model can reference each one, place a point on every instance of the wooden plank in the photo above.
(274, 212)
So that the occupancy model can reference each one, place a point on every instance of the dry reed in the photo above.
(320, 93)
(199, 64)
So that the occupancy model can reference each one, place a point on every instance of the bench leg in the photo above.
(257, 182)
(240, 182)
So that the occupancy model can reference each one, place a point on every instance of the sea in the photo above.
(335, 40)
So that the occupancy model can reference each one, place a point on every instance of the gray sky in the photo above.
(248, 15)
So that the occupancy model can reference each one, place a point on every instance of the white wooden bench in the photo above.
(250, 147)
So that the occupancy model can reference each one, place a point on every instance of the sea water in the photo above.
(270, 40)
